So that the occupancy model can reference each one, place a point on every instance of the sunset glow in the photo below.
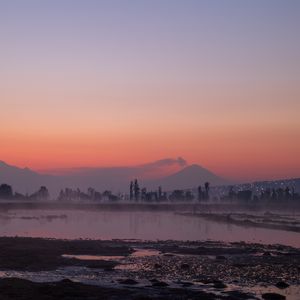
(117, 83)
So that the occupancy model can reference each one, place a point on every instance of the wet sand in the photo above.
(121, 269)
(45, 268)
(14, 289)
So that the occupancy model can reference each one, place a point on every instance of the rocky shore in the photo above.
(36, 268)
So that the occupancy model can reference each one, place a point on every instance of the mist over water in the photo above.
(141, 224)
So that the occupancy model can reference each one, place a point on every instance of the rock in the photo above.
(102, 264)
(267, 253)
(273, 296)
(159, 284)
(108, 269)
(66, 280)
(240, 265)
(220, 257)
(219, 285)
(168, 254)
(205, 280)
(186, 283)
(185, 266)
(282, 285)
(238, 295)
(157, 266)
(128, 281)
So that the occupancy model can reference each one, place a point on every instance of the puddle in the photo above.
(242, 273)
(132, 263)
(135, 266)
(144, 252)
(93, 257)
(138, 253)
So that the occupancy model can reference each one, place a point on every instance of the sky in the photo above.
(118, 83)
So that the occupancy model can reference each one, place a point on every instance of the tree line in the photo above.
(6, 192)
(138, 194)
(265, 195)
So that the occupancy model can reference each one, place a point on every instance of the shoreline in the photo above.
(127, 206)
(139, 269)
(228, 219)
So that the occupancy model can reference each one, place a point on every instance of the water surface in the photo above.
(145, 225)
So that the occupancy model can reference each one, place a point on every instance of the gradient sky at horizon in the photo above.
(109, 83)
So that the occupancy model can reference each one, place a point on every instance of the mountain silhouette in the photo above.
(190, 177)
(116, 179)
(24, 180)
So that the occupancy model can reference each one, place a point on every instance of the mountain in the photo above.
(25, 180)
(115, 179)
(189, 177)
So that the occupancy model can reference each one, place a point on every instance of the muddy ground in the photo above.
(146, 270)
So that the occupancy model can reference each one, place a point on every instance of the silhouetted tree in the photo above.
(143, 194)
(41, 194)
(107, 193)
(164, 196)
(78, 195)
(6, 191)
(131, 195)
(200, 193)
(97, 196)
(294, 195)
(113, 197)
(280, 194)
(61, 196)
(206, 190)
(159, 193)
(231, 193)
(149, 196)
(91, 193)
(245, 195)
(189, 196)
(177, 195)
(19, 196)
(136, 190)
(287, 193)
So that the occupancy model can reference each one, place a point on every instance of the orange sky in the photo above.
(239, 148)
(107, 87)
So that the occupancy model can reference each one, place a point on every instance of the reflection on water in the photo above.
(138, 252)
(93, 257)
(144, 252)
(145, 225)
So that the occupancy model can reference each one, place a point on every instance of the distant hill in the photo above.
(24, 180)
(117, 179)
(189, 177)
